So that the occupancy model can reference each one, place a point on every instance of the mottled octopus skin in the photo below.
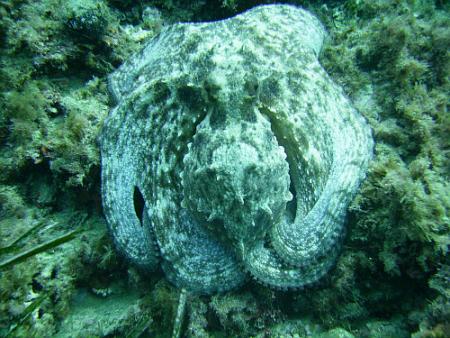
(244, 151)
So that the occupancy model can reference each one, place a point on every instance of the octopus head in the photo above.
(236, 180)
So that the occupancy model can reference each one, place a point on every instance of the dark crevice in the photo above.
(139, 203)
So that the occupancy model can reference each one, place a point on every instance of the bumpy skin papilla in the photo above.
(243, 150)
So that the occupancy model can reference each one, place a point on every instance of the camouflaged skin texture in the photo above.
(242, 151)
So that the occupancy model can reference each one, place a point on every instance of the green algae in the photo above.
(54, 128)
(392, 278)
(22, 256)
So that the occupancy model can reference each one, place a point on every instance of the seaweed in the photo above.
(20, 257)
(14, 245)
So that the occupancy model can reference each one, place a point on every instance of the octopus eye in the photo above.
(138, 202)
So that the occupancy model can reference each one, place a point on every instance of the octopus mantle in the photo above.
(231, 152)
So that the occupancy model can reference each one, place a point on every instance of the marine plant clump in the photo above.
(45, 128)
(88, 19)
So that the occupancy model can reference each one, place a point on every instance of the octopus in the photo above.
(231, 153)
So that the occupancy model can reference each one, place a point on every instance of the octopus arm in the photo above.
(193, 259)
(268, 268)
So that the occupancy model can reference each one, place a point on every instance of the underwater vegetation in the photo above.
(392, 277)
